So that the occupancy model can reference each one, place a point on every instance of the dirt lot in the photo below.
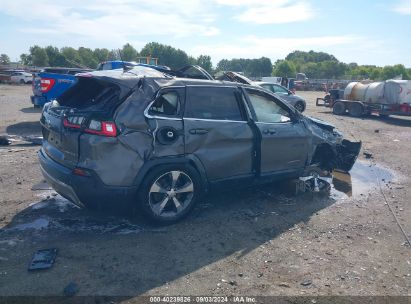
(262, 241)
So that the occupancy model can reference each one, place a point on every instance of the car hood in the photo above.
(321, 123)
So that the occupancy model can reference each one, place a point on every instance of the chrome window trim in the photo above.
(234, 86)
(273, 123)
(216, 120)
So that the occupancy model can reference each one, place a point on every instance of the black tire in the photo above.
(339, 108)
(299, 106)
(384, 115)
(356, 109)
(22, 81)
(159, 195)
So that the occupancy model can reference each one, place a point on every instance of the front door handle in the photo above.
(198, 131)
(269, 131)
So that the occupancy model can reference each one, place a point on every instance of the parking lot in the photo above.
(264, 241)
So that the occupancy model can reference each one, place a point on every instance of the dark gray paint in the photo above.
(227, 150)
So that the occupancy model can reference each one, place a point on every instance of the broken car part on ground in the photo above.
(143, 138)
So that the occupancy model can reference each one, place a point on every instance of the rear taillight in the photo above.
(105, 128)
(46, 84)
(74, 122)
(81, 172)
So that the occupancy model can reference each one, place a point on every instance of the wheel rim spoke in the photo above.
(174, 175)
(156, 188)
(186, 188)
(177, 204)
(158, 208)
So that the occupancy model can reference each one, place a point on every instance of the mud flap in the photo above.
(347, 154)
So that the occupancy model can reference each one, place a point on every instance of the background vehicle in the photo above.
(21, 77)
(392, 97)
(141, 137)
(296, 101)
(51, 83)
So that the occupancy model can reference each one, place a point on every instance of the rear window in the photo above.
(90, 93)
(166, 104)
(217, 103)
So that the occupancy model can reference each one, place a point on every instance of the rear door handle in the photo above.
(269, 131)
(198, 131)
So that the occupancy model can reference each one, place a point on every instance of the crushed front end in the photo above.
(330, 150)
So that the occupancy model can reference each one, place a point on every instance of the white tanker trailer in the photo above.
(391, 97)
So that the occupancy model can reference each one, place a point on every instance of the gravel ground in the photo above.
(260, 241)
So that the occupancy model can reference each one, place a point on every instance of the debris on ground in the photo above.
(368, 155)
(284, 284)
(306, 282)
(41, 186)
(43, 259)
(35, 140)
(4, 141)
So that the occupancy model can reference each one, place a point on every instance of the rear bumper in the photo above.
(38, 100)
(83, 191)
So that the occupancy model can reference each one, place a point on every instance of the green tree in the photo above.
(87, 57)
(113, 55)
(223, 65)
(25, 59)
(39, 56)
(311, 56)
(55, 57)
(101, 54)
(394, 71)
(167, 55)
(312, 70)
(284, 68)
(205, 62)
(72, 56)
(129, 53)
(4, 59)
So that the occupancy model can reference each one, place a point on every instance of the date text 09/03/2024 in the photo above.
(202, 299)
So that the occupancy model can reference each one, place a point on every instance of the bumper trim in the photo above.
(62, 188)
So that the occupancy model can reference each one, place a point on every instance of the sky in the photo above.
(373, 32)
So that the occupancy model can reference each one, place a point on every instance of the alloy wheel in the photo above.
(171, 193)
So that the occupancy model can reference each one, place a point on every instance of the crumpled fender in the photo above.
(329, 146)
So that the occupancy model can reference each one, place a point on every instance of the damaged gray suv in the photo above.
(147, 139)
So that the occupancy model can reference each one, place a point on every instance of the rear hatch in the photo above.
(87, 107)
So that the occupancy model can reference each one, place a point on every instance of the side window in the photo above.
(266, 108)
(167, 104)
(268, 87)
(280, 90)
(213, 103)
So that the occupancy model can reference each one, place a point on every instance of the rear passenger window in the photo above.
(213, 103)
(167, 104)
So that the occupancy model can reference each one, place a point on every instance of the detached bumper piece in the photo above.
(347, 154)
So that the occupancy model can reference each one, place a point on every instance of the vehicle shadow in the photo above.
(400, 121)
(24, 128)
(31, 110)
(114, 256)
